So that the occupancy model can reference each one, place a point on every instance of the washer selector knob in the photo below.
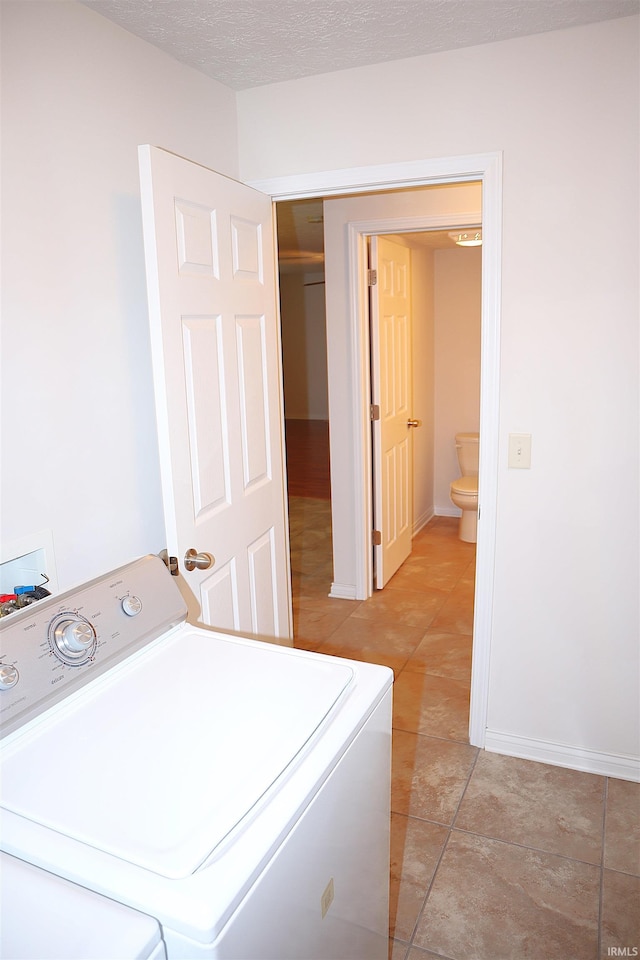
(9, 676)
(72, 638)
(131, 606)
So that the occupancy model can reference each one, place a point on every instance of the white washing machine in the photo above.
(233, 792)
(43, 917)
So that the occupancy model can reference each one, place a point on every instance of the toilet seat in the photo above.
(465, 486)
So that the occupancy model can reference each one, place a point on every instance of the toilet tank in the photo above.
(468, 450)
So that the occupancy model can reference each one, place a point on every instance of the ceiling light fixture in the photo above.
(471, 239)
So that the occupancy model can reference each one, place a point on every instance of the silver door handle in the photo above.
(197, 561)
(414, 423)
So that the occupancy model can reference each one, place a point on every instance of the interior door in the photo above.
(391, 394)
(210, 263)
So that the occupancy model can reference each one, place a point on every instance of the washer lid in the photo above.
(158, 762)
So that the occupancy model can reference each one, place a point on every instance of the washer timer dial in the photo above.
(72, 638)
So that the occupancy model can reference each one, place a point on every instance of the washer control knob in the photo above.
(73, 638)
(132, 606)
(9, 676)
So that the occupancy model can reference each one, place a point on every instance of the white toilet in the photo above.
(464, 490)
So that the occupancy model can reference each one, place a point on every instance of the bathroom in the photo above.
(449, 385)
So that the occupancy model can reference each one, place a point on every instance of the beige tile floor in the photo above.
(492, 857)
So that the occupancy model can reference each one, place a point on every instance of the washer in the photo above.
(43, 916)
(236, 792)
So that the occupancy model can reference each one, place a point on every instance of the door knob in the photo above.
(414, 423)
(197, 561)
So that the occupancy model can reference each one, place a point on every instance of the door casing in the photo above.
(486, 168)
(359, 232)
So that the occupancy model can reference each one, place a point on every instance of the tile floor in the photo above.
(492, 857)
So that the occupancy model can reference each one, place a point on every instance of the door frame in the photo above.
(486, 168)
(358, 233)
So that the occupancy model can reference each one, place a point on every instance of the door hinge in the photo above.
(372, 277)
(171, 563)
(377, 538)
(375, 411)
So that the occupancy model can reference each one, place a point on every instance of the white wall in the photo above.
(563, 109)
(79, 452)
(457, 309)
(304, 345)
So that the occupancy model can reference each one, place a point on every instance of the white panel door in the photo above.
(216, 355)
(391, 392)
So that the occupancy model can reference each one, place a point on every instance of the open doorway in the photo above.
(445, 404)
(429, 603)
(427, 377)
(302, 285)
(353, 442)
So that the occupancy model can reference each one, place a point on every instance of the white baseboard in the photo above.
(621, 766)
(422, 521)
(343, 591)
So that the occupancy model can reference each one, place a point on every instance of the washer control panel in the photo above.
(54, 647)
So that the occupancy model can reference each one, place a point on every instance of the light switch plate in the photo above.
(520, 451)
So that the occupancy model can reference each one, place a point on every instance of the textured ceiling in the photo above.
(246, 43)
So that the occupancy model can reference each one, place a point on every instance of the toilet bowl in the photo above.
(464, 490)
